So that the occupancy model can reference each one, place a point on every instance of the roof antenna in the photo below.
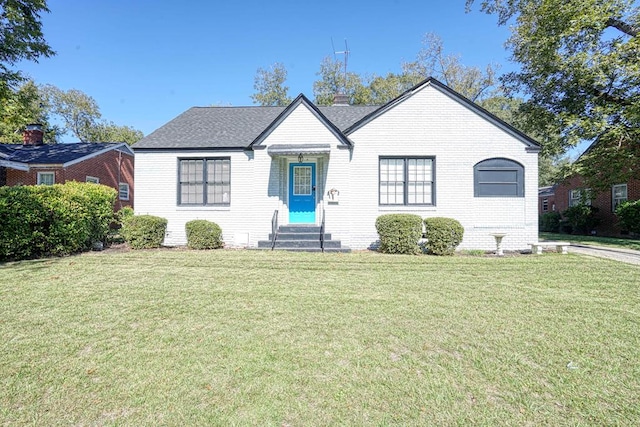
(346, 53)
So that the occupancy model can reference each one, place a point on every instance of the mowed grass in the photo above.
(177, 337)
(616, 242)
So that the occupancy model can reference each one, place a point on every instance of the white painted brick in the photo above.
(430, 123)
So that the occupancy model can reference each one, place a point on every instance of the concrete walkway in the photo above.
(628, 256)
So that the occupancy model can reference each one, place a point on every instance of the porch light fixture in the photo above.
(300, 158)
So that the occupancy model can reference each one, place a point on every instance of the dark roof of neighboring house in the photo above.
(547, 191)
(56, 154)
(234, 127)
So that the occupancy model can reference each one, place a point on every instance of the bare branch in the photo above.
(628, 29)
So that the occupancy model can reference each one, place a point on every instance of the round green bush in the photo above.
(144, 231)
(443, 235)
(399, 233)
(203, 234)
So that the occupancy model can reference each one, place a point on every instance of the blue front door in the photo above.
(302, 193)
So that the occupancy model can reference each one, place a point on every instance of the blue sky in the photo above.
(145, 62)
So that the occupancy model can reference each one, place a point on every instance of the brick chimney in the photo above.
(341, 99)
(33, 135)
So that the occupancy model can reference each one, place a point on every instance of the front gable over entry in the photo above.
(301, 126)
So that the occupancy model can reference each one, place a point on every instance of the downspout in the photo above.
(119, 177)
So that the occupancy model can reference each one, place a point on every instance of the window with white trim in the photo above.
(406, 181)
(498, 177)
(123, 191)
(204, 181)
(46, 178)
(92, 179)
(618, 195)
(580, 196)
(545, 205)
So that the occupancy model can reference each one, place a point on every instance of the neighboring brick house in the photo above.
(547, 199)
(572, 190)
(34, 162)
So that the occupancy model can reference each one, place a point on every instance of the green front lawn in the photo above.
(177, 337)
(593, 240)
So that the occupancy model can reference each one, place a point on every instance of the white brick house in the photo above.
(430, 152)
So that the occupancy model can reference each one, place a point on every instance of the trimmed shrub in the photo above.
(581, 218)
(443, 235)
(144, 231)
(628, 214)
(57, 220)
(115, 235)
(550, 222)
(399, 233)
(203, 234)
(123, 214)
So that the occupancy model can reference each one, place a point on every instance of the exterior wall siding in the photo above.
(430, 123)
(258, 184)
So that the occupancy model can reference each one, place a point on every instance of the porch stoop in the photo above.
(302, 238)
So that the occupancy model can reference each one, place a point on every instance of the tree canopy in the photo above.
(77, 112)
(81, 116)
(21, 38)
(21, 107)
(270, 88)
(580, 73)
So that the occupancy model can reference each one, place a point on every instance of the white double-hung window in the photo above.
(406, 181)
(618, 195)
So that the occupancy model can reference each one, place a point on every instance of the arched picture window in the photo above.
(498, 178)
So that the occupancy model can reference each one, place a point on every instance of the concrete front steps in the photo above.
(302, 238)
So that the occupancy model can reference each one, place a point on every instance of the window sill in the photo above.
(204, 208)
(407, 208)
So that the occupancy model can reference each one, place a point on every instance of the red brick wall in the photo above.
(603, 201)
(110, 168)
(551, 204)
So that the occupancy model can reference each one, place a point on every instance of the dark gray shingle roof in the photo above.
(52, 154)
(233, 127)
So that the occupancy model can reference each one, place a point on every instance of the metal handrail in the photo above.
(322, 232)
(274, 229)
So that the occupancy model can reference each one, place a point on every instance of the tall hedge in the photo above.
(144, 231)
(59, 219)
(628, 214)
(582, 218)
(549, 222)
(399, 233)
(443, 235)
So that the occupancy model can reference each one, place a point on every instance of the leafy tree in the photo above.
(432, 61)
(78, 111)
(110, 132)
(81, 116)
(270, 88)
(333, 81)
(552, 169)
(21, 38)
(21, 107)
(579, 69)
(383, 89)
